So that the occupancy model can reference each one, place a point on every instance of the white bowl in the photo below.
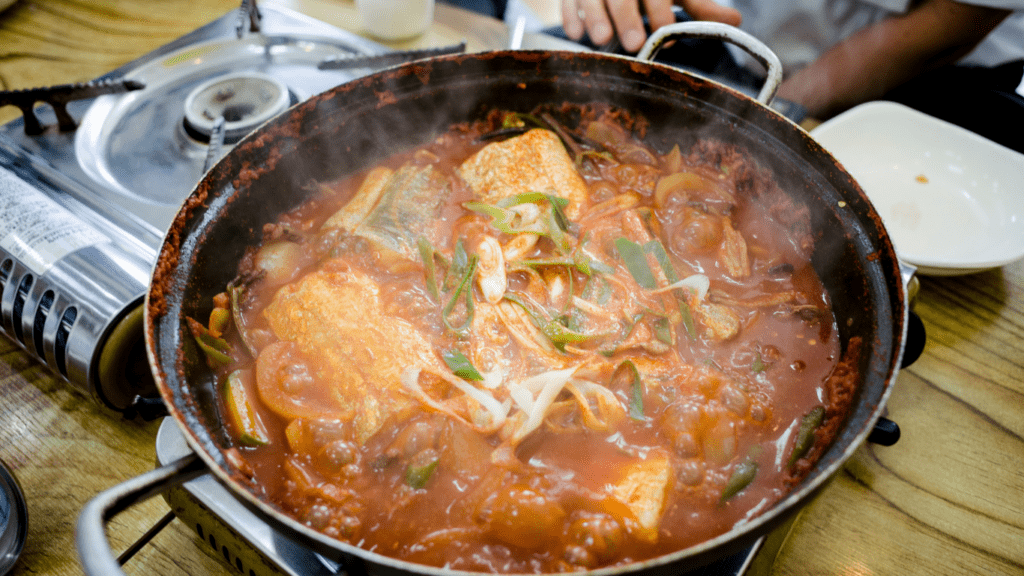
(952, 201)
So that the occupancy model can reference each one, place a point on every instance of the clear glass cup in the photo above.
(396, 19)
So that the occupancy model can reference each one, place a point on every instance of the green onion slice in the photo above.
(532, 197)
(758, 364)
(503, 217)
(461, 366)
(579, 260)
(658, 250)
(417, 476)
(556, 330)
(636, 388)
(459, 266)
(633, 256)
(557, 210)
(684, 310)
(597, 290)
(428, 255)
(662, 329)
(557, 234)
(560, 334)
(462, 289)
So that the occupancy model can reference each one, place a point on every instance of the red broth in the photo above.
(651, 360)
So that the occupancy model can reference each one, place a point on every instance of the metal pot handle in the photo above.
(90, 533)
(731, 34)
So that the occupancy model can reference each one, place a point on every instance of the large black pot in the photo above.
(362, 122)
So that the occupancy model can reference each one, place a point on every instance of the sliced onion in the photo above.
(697, 284)
(550, 385)
(582, 390)
(498, 412)
(490, 403)
(529, 217)
(521, 396)
(280, 261)
(492, 379)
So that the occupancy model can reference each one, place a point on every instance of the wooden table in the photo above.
(947, 499)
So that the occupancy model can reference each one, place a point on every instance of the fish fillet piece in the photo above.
(350, 216)
(393, 209)
(335, 317)
(533, 162)
(643, 490)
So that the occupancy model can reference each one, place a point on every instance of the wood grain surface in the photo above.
(947, 499)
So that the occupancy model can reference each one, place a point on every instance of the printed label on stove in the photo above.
(35, 229)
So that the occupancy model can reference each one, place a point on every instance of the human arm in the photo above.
(882, 56)
(604, 18)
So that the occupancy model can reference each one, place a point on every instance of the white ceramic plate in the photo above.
(952, 201)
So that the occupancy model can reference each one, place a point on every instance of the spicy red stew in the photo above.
(536, 344)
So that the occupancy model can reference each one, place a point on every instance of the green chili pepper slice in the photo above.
(805, 433)
(220, 320)
(742, 475)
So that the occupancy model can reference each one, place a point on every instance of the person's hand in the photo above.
(603, 18)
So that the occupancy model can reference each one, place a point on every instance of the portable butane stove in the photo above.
(88, 187)
(89, 184)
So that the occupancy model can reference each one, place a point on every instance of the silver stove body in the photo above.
(83, 213)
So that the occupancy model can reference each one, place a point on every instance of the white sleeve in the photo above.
(1004, 4)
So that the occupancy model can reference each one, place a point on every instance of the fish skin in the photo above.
(394, 209)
